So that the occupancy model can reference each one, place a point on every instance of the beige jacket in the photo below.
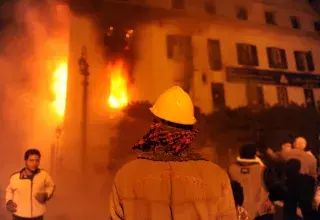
(161, 187)
(249, 173)
(22, 191)
(307, 160)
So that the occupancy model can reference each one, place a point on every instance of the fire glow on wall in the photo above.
(59, 88)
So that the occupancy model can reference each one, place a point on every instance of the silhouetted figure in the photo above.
(237, 190)
(307, 160)
(300, 191)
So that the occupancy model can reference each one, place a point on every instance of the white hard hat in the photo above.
(174, 105)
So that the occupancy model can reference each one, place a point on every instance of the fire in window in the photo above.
(118, 40)
(277, 58)
(304, 61)
(247, 55)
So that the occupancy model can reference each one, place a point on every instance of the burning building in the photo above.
(256, 53)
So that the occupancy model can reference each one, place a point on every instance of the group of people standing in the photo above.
(170, 180)
(280, 185)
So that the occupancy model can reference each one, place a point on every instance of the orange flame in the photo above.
(118, 97)
(59, 87)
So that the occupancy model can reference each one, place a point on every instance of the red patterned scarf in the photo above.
(158, 137)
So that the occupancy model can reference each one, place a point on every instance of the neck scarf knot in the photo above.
(157, 137)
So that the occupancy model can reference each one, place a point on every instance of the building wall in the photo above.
(154, 71)
(225, 27)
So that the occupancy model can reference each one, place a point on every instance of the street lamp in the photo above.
(55, 151)
(84, 71)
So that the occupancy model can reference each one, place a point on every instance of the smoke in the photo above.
(33, 42)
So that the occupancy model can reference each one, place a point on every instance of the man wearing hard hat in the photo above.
(169, 180)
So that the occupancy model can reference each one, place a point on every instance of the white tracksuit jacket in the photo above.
(22, 191)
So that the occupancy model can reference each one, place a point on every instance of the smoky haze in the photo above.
(33, 43)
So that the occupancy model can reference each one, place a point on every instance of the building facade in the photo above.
(224, 53)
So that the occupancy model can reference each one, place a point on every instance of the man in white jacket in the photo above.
(29, 189)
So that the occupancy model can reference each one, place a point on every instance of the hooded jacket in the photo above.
(22, 191)
(249, 173)
(161, 186)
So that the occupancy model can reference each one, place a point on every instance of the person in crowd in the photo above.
(299, 192)
(307, 160)
(279, 155)
(237, 190)
(248, 172)
(29, 189)
(274, 175)
(169, 180)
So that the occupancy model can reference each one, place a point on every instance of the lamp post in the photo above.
(58, 150)
(55, 151)
(84, 71)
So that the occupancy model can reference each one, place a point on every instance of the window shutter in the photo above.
(255, 55)
(214, 54)
(310, 61)
(299, 64)
(270, 57)
(284, 59)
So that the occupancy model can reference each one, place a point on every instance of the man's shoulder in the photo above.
(15, 174)
(44, 172)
